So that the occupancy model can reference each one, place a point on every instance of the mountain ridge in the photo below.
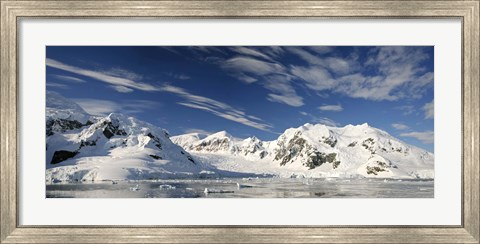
(317, 150)
(83, 147)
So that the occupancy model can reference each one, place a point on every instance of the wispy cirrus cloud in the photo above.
(122, 89)
(98, 107)
(426, 137)
(282, 90)
(198, 131)
(243, 64)
(322, 49)
(68, 78)
(57, 85)
(378, 74)
(400, 126)
(102, 107)
(271, 75)
(429, 110)
(406, 109)
(251, 52)
(216, 108)
(334, 64)
(316, 78)
(331, 108)
(325, 121)
(389, 73)
(116, 77)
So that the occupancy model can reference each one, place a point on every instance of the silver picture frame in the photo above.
(13, 11)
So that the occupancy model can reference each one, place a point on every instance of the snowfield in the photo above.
(82, 147)
(314, 151)
(115, 147)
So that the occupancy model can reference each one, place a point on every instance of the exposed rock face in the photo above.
(63, 125)
(111, 147)
(352, 150)
(62, 155)
(112, 129)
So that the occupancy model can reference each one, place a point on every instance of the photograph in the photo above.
(239, 122)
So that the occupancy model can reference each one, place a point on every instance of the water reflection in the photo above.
(246, 188)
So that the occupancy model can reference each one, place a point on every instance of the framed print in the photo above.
(245, 121)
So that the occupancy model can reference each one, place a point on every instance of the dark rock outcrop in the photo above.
(62, 155)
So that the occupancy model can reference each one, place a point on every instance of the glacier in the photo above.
(84, 148)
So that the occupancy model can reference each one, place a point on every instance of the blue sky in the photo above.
(247, 91)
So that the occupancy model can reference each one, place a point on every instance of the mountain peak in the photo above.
(61, 108)
(220, 134)
(56, 101)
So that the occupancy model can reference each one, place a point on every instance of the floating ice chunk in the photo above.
(166, 187)
(135, 188)
(207, 191)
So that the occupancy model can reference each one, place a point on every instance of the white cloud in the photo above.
(122, 89)
(387, 73)
(102, 107)
(199, 131)
(207, 49)
(303, 113)
(333, 108)
(246, 78)
(139, 106)
(295, 101)
(111, 77)
(338, 65)
(97, 106)
(426, 137)
(274, 51)
(316, 78)
(309, 57)
(272, 76)
(393, 73)
(250, 52)
(69, 78)
(399, 126)
(217, 108)
(321, 49)
(428, 108)
(283, 91)
(57, 85)
(407, 109)
(242, 64)
(325, 121)
(119, 72)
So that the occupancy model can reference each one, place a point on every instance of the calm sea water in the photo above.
(247, 188)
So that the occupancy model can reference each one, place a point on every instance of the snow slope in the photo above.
(81, 147)
(315, 151)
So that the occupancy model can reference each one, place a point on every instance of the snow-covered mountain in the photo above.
(314, 151)
(81, 147)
